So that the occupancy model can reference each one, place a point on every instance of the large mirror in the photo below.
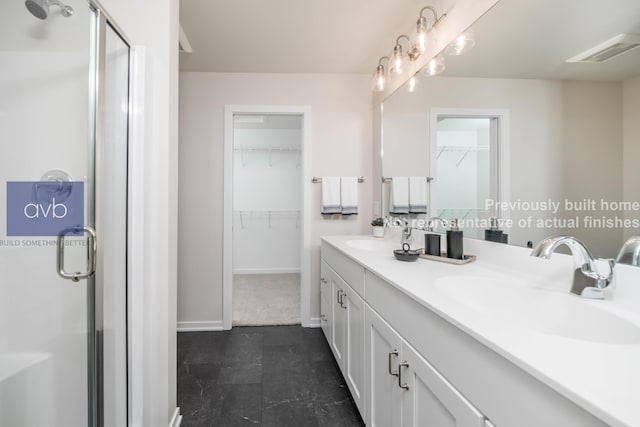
(512, 129)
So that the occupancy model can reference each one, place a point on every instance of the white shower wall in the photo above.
(266, 199)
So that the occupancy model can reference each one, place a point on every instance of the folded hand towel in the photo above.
(349, 192)
(330, 195)
(418, 194)
(399, 195)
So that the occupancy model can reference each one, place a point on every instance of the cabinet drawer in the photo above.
(350, 271)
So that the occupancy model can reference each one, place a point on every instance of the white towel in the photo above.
(418, 194)
(349, 195)
(331, 195)
(399, 195)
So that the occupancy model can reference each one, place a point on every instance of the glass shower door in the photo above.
(47, 374)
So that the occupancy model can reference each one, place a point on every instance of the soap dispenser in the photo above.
(494, 234)
(431, 241)
(454, 241)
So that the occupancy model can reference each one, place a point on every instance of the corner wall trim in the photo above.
(266, 270)
(176, 420)
(216, 325)
(314, 322)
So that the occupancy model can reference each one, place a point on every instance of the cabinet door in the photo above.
(383, 403)
(354, 370)
(326, 308)
(429, 400)
(339, 321)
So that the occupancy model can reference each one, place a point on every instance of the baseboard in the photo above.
(176, 420)
(266, 270)
(314, 322)
(216, 325)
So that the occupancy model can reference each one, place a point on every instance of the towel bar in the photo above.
(388, 178)
(317, 180)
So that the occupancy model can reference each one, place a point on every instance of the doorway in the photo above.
(266, 227)
(469, 160)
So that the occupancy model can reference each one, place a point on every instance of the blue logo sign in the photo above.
(44, 208)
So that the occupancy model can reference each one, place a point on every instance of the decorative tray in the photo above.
(443, 258)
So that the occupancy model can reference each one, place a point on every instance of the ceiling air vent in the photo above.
(610, 49)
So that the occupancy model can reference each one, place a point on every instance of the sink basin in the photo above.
(540, 310)
(365, 244)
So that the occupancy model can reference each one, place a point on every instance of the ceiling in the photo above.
(292, 36)
(533, 39)
(517, 38)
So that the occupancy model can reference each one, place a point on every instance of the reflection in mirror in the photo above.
(630, 252)
(466, 148)
(573, 130)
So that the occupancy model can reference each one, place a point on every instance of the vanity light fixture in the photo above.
(423, 33)
(379, 79)
(397, 61)
(396, 64)
(461, 44)
(435, 66)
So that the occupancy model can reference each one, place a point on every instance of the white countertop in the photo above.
(602, 378)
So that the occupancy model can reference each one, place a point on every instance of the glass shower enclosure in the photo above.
(64, 125)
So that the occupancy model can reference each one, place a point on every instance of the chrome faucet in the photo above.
(630, 252)
(587, 281)
(406, 233)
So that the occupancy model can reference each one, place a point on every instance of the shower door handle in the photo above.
(92, 248)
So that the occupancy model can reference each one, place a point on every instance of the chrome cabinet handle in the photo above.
(393, 352)
(342, 300)
(341, 295)
(402, 385)
(92, 248)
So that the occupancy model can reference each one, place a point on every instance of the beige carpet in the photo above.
(266, 299)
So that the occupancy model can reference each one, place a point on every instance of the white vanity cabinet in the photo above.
(344, 330)
(408, 365)
(383, 395)
(326, 308)
(429, 399)
(403, 389)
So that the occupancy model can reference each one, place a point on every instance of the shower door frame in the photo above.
(101, 21)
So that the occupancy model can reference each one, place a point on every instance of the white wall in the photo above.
(407, 129)
(341, 145)
(266, 200)
(154, 194)
(631, 147)
(592, 167)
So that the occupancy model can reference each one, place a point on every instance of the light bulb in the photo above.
(435, 66)
(421, 34)
(461, 44)
(411, 84)
(379, 79)
(397, 60)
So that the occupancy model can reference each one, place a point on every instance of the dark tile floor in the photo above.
(272, 376)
